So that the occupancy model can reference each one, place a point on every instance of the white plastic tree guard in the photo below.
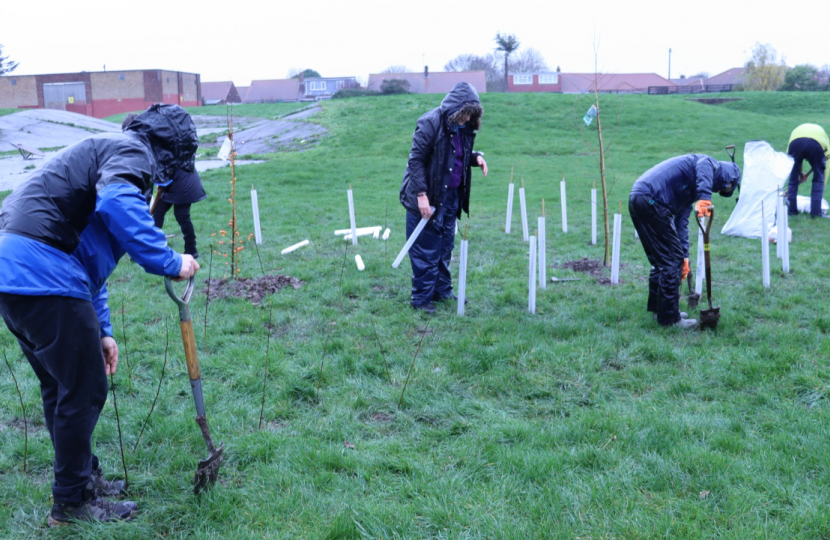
(386, 234)
(295, 247)
(593, 217)
(358, 260)
(255, 207)
(351, 216)
(509, 208)
(764, 249)
(523, 206)
(615, 256)
(784, 239)
(412, 238)
(462, 278)
(542, 259)
(531, 282)
(564, 206)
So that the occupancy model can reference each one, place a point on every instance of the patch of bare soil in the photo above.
(586, 265)
(253, 289)
(382, 417)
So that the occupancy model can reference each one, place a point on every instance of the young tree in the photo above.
(506, 44)
(6, 65)
(528, 61)
(294, 73)
(763, 70)
(490, 64)
(804, 78)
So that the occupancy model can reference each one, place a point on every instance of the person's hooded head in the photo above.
(171, 134)
(462, 108)
(727, 179)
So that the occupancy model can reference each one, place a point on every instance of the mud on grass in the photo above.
(253, 289)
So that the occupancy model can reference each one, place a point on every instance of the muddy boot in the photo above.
(107, 488)
(94, 508)
(686, 324)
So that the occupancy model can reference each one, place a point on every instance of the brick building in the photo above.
(101, 93)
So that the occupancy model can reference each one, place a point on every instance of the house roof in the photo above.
(439, 82)
(689, 81)
(222, 91)
(730, 76)
(273, 90)
(575, 83)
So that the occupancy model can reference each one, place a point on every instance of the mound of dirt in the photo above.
(254, 289)
(586, 265)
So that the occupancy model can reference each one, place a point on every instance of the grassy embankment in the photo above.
(583, 421)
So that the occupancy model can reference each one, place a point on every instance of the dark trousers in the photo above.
(431, 253)
(60, 337)
(810, 150)
(655, 226)
(182, 215)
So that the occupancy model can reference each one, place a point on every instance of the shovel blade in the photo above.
(709, 318)
(208, 470)
(693, 300)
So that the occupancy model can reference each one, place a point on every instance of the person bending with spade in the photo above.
(659, 204)
(438, 174)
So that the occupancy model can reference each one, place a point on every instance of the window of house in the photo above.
(317, 86)
(548, 78)
(341, 84)
(14, 82)
(522, 79)
(121, 76)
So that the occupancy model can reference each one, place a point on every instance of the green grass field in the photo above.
(586, 420)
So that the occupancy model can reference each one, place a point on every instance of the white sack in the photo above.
(773, 235)
(803, 204)
(765, 172)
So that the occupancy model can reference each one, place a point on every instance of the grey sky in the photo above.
(245, 40)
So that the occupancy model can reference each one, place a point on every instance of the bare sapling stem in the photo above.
(607, 258)
(120, 438)
(382, 352)
(126, 351)
(158, 389)
(342, 268)
(23, 409)
(234, 229)
(207, 297)
(267, 367)
(322, 359)
(412, 365)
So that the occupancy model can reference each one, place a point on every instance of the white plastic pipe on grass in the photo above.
(564, 206)
(523, 206)
(509, 208)
(764, 250)
(255, 206)
(358, 260)
(593, 217)
(784, 238)
(360, 230)
(542, 259)
(701, 262)
(462, 278)
(351, 217)
(531, 283)
(615, 255)
(411, 240)
(373, 231)
(295, 247)
(779, 226)
(376, 234)
(386, 234)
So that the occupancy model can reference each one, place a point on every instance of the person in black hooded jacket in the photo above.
(660, 204)
(438, 175)
(62, 233)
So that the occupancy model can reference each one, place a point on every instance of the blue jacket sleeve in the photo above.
(704, 177)
(102, 309)
(681, 225)
(124, 212)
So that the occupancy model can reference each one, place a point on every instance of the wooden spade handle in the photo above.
(190, 355)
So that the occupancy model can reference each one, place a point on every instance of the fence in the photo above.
(691, 89)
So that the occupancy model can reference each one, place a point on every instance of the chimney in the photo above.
(426, 72)
(557, 69)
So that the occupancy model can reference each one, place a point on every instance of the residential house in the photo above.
(432, 83)
(534, 82)
(273, 90)
(219, 93)
(622, 83)
(325, 87)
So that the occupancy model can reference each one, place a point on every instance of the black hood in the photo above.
(463, 98)
(727, 178)
(171, 134)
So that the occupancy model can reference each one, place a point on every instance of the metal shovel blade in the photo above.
(693, 299)
(208, 470)
(709, 318)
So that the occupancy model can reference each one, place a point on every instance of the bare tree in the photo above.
(528, 61)
(397, 69)
(506, 43)
(764, 71)
(490, 64)
(6, 65)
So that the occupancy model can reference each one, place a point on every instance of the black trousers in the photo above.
(182, 215)
(655, 226)
(60, 337)
(431, 253)
(811, 151)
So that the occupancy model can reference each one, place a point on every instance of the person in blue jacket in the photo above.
(438, 174)
(660, 204)
(62, 233)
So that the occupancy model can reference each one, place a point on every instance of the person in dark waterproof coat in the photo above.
(62, 233)
(184, 189)
(660, 204)
(439, 174)
(808, 142)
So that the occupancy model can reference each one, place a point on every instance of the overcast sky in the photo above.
(251, 39)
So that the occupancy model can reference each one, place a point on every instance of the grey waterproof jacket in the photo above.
(680, 181)
(432, 155)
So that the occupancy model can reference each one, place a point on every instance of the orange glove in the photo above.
(702, 208)
(686, 269)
